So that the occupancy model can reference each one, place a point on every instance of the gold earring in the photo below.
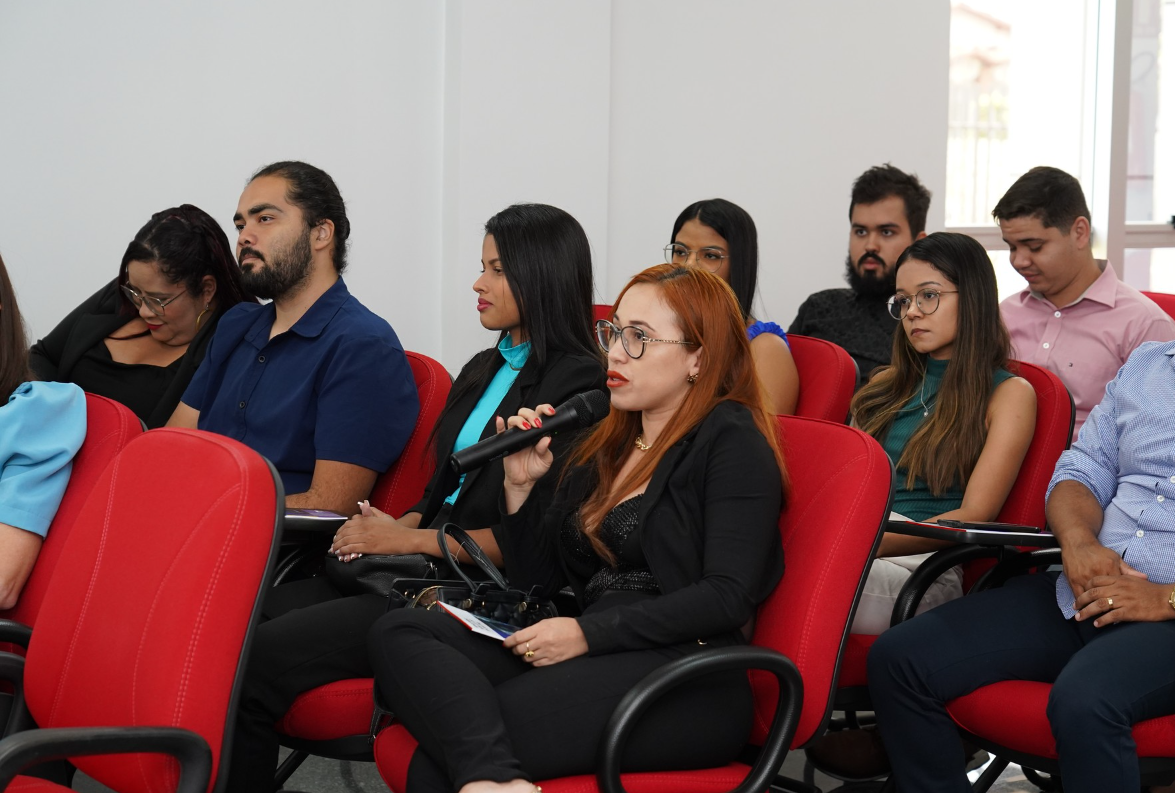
(201, 315)
(693, 378)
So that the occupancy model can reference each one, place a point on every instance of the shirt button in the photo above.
(242, 404)
(1046, 345)
(1161, 499)
(1057, 314)
(260, 359)
(1173, 479)
(1139, 533)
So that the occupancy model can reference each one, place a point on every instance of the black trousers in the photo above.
(481, 713)
(1104, 681)
(313, 637)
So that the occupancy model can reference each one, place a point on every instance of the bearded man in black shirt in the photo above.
(887, 212)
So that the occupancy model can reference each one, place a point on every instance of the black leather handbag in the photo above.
(493, 599)
(377, 573)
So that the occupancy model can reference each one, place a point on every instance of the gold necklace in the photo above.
(640, 443)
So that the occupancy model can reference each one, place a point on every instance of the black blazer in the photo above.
(477, 505)
(709, 529)
(54, 357)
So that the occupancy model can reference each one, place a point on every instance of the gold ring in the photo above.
(528, 654)
(1109, 603)
(528, 646)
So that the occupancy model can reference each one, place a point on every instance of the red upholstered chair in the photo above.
(1164, 301)
(841, 486)
(828, 378)
(110, 426)
(1024, 505)
(601, 311)
(136, 653)
(1008, 720)
(334, 720)
(402, 485)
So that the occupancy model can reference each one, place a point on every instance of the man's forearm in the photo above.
(1074, 514)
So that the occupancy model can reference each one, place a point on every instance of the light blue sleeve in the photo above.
(41, 428)
(1093, 460)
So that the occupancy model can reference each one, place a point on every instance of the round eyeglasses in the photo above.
(927, 299)
(706, 258)
(154, 304)
(632, 338)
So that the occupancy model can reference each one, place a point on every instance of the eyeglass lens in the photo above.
(631, 338)
(708, 258)
(927, 299)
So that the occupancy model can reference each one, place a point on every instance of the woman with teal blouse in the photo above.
(42, 425)
(954, 421)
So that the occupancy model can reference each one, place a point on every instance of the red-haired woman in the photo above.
(664, 525)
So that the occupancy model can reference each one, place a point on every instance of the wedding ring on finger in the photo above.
(1109, 603)
(528, 654)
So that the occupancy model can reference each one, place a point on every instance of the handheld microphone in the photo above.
(582, 410)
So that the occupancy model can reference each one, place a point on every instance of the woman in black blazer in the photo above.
(666, 528)
(139, 338)
(536, 290)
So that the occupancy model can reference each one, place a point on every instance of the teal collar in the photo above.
(515, 356)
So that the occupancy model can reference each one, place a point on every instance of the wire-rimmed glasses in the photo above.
(706, 258)
(632, 338)
(927, 299)
(155, 305)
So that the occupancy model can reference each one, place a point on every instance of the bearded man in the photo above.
(887, 212)
(313, 380)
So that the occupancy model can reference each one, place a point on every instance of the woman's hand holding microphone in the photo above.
(528, 465)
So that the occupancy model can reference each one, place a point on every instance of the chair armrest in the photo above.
(923, 578)
(1015, 564)
(35, 746)
(12, 670)
(657, 683)
(15, 632)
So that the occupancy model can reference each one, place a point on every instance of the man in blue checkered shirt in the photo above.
(1103, 631)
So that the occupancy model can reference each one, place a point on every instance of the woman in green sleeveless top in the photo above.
(953, 419)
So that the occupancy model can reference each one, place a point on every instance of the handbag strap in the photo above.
(475, 553)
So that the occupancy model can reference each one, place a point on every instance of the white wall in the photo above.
(433, 115)
(777, 107)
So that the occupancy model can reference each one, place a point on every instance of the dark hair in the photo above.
(14, 345)
(1048, 194)
(946, 446)
(733, 224)
(187, 244)
(547, 263)
(316, 194)
(881, 182)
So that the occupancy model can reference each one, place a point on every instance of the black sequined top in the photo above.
(618, 532)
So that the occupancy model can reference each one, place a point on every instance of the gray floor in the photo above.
(330, 776)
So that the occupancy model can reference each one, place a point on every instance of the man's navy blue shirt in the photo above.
(335, 386)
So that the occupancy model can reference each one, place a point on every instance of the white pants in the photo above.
(886, 578)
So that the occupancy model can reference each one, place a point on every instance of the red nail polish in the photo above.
(525, 425)
(538, 422)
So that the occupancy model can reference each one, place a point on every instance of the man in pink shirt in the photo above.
(1075, 318)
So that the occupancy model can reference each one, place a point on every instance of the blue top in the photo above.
(41, 428)
(1125, 455)
(766, 327)
(335, 386)
(487, 405)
